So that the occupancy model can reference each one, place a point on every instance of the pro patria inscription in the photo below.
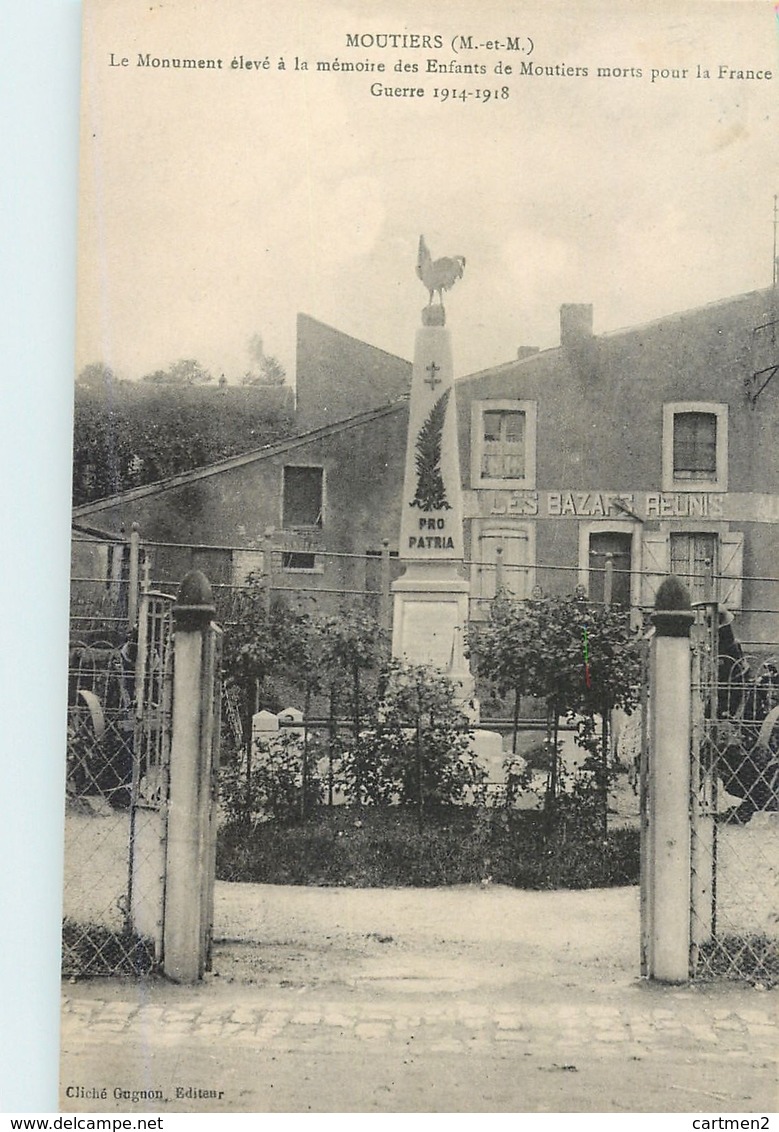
(427, 541)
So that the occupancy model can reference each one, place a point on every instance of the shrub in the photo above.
(272, 786)
(384, 846)
(417, 749)
(581, 658)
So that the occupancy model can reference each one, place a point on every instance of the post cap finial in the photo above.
(673, 614)
(194, 606)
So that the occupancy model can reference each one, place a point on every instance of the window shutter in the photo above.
(732, 570)
(656, 565)
(515, 554)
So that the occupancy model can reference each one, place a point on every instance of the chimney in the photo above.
(575, 323)
(526, 352)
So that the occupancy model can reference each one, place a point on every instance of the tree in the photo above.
(96, 375)
(138, 433)
(271, 372)
(265, 368)
(352, 643)
(265, 640)
(186, 371)
(583, 659)
(417, 747)
(256, 349)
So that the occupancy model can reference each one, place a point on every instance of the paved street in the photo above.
(516, 1008)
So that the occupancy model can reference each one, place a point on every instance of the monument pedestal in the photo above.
(430, 617)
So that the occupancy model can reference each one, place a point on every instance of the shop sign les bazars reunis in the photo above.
(604, 504)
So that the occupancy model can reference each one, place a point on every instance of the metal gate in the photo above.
(151, 763)
(734, 804)
(118, 742)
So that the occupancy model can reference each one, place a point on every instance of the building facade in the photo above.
(649, 445)
(650, 449)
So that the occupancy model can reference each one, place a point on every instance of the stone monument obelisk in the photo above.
(431, 597)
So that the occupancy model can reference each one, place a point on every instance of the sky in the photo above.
(219, 204)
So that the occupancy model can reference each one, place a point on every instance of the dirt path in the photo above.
(462, 937)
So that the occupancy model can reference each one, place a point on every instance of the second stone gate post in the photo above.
(668, 848)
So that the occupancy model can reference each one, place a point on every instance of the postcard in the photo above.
(416, 347)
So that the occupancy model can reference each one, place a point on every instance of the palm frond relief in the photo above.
(431, 491)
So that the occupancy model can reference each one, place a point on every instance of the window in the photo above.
(296, 560)
(711, 564)
(694, 560)
(621, 539)
(503, 448)
(695, 446)
(618, 545)
(302, 497)
(503, 444)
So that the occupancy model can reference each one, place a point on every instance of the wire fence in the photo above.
(118, 724)
(734, 809)
(319, 579)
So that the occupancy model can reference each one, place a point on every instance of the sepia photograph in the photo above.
(422, 744)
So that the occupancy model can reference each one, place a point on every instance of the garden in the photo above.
(376, 780)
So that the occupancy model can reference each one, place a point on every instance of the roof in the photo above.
(303, 317)
(624, 331)
(267, 452)
(289, 444)
(87, 532)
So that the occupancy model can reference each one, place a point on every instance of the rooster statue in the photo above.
(438, 275)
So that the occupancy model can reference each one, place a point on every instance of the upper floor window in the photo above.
(503, 450)
(302, 501)
(695, 446)
(503, 444)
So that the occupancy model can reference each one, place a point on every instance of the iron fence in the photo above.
(117, 748)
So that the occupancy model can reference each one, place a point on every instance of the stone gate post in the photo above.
(668, 851)
(186, 899)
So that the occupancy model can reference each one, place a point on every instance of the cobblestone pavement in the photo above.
(455, 1028)
(296, 1052)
